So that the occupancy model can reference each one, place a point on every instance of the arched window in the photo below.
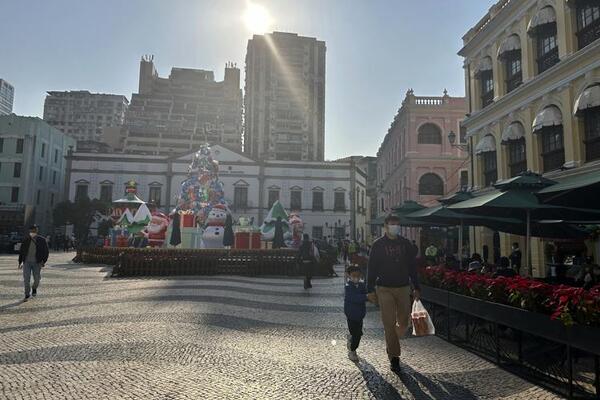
(548, 124)
(429, 134)
(587, 107)
(485, 75)
(542, 28)
(588, 22)
(513, 136)
(510, 54)
(431, 185)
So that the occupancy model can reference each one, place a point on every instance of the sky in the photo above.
(376, 50)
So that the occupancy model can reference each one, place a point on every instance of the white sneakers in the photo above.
(352, 356)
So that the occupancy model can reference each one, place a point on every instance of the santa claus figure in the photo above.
(157, 229)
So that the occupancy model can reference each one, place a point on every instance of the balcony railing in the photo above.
(588, 34)
(548, 60)
(514, 82)
(429, 101)
(487, 99)
(518, 167)
(490, 177)
(592, 149)
(553, 160)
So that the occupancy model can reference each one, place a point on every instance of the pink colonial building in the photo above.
(416, 160)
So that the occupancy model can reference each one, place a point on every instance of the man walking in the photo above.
(391, 270)
(32, 257)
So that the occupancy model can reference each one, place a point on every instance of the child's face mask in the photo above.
(355, 279)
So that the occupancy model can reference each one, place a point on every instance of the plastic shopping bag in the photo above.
(421, 321)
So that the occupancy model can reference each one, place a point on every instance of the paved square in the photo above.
(88, 336)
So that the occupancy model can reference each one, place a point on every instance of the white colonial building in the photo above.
(322, 192)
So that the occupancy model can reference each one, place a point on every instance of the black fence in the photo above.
(533, 346)
(165, 262)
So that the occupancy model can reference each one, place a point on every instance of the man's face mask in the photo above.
(32, 234)
(394, 230)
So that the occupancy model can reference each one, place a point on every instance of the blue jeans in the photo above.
(28, 268)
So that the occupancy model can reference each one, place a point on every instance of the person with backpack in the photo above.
(308, 257)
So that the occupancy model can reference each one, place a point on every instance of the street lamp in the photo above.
(452, 140)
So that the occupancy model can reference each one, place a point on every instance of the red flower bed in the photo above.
(568, 304)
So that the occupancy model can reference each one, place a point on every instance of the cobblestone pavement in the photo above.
(88, 336)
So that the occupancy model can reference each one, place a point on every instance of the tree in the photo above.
(81, 214)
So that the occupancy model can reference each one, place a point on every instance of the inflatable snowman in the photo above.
(215, 228)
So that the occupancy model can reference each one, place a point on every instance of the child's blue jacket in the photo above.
(355, 299)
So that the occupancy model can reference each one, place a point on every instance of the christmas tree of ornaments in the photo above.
(202, 198)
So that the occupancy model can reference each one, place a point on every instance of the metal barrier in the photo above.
(544, 351)
(163, 262)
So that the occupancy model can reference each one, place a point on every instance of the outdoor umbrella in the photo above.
(573, 191)
(515, 198)
(442, 215)
(408, 207)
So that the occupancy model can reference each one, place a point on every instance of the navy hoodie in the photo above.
(392, 263)
(355, 298)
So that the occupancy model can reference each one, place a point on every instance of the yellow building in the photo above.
(532, 73)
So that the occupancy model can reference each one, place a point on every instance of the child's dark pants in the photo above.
(355, 328)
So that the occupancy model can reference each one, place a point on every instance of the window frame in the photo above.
(486, 79)
(315, 204)
(295, 199)
(587, 31)
(337, 204)
(432, 188)
(489, 161)
(270, 200)
(434, 136)
(553, 156)
(240, 197)
(546, 57)
(17, 169)
(517, 156)
(591, 128)
(514, 76)
(103, 187)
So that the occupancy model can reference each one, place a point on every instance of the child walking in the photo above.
(355, 308)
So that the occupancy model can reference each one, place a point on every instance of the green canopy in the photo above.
(518, 203)
(515, 198)
(551, 229)
(455, 198)
(573, 191)
(377, 221)
(407, 207)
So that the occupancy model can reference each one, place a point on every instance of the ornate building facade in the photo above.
(532, 72)
(416, 161)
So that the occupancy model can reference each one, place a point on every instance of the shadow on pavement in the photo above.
(11, 305)
(436, 390)
(377, 385)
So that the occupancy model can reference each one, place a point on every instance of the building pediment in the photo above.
(221, 153)
(241, 182)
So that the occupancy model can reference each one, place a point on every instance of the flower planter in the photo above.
(581, 337)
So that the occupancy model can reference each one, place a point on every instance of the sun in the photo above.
(257, 18)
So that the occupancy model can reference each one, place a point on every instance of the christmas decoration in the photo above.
(268, 227)
(157, 229)
(296, 230)
(201, 201)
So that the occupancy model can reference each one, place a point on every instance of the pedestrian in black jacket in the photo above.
(355, 297)
(392, 269)
(32, 258)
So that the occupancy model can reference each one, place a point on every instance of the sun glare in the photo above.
(257, 18)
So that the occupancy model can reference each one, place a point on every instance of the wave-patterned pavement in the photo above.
(89, 336)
